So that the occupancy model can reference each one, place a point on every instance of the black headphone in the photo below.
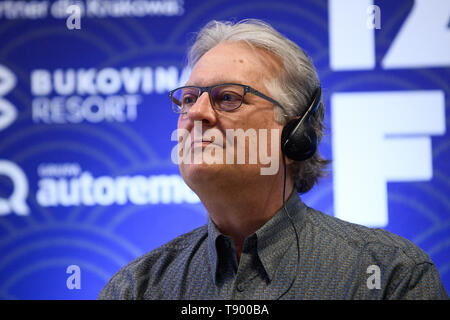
(299, 142)
(299, 139)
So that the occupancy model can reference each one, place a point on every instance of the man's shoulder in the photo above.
(173, 246)
(183, 241)
(128, 282)
(376, 242)
(354, 252)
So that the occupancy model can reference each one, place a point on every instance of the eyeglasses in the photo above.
(224, 96)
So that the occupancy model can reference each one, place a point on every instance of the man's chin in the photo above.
(204, 174)
(201, 169)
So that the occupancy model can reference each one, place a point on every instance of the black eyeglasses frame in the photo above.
(247, 89)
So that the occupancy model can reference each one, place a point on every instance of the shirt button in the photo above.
(240, 287)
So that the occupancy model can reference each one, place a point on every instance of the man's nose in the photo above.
(202, 110)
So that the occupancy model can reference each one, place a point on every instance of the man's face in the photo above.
(231, 63)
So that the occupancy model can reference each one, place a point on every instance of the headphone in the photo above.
(299, 139)
(299, 142)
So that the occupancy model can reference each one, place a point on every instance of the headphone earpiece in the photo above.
(299, 140)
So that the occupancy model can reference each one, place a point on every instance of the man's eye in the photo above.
(229, 97)
(188, 99)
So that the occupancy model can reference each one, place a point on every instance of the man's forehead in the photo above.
(211, 81)
(230, 62)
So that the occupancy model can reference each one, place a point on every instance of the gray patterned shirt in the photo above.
(321, 258)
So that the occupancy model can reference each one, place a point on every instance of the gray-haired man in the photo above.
(261, 241)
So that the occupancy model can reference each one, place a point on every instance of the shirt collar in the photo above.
(277, 235)
(213, 235)
(273, 239)
(221, 252)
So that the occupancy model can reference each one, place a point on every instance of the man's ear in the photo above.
(287, 160)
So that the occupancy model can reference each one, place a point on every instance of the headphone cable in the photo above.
(295, 230)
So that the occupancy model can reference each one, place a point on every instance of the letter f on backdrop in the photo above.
(380, 137)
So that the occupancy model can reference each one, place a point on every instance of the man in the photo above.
(261, 241)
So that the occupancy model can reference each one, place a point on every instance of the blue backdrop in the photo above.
(86, 178)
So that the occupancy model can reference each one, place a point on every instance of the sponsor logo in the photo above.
(8, 112)
(68, 185)
(15, 203)
(92, 95)
(388, 132)
(90, 8)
